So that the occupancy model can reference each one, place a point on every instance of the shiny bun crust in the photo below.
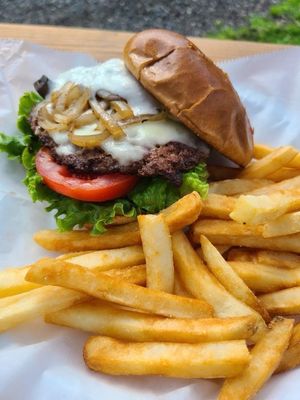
(193, 89)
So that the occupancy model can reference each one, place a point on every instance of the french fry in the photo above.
(12, 281)
(103, 260)
(114, 237)
(106, 319)
(265, 358)
(203, 285)
(25, 306)
(261, 150)
(269, 164)
(179, 288)
(231, 187)
(256, 210)
(283, 174)
(234, 234)
(157, 246)
(222, 249)
(291, 357)
(242, 254)
(135, 274)
(264, 278)
(218, 206)
(73, 254)
(283, 302)
(285, 225)
(104, 287)
(228, 277)
(182, 213)
(178, 360)
(280, 259)
(288, 184)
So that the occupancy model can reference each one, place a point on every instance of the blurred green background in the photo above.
(281, 24)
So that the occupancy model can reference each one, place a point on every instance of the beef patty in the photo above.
(169, 160)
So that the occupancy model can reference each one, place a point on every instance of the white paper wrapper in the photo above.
(44, 362)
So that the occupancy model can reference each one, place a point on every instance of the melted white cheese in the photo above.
(140, 138)
(64, 146)
(113, 76)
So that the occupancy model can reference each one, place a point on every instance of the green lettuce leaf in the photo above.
(153, 194)
(195, 180)
(26, 103)
(12, 145)
(149, 196)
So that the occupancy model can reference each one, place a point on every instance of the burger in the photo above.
(102, 144)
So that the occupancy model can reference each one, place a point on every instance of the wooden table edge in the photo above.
(104, 44)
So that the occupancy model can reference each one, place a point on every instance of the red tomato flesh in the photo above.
(102, 188)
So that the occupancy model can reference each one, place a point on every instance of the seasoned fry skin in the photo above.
(178, 360)
(107, 319)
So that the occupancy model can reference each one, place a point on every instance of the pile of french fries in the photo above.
(200, 290)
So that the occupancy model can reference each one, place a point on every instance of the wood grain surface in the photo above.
(106, 44)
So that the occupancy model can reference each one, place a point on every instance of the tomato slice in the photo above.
(102, 188)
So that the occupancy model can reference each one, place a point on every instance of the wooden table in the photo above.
(106, 44)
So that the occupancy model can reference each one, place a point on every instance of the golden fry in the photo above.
(107, 319)
(265, 357)
(12, 282)
(285, 225)
(234, 234)
(291, 357)
(179, 288)
(103, 260)
(228, 277)
(283, 174)
(256, 210)
(264, 278)
(202, 284)
(269, 164)
(231, 187)
(157, 246)
(280, 259)
(288, 184)
(25, 306)
(104, 287)
(261, 150)
(218, 206)
(283, 302)
(178, 360)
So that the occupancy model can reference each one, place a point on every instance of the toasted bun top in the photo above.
(193, 89)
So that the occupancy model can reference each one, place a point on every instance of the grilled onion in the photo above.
(89, 136)
(89, 122)
(88, 117)
(107, 120)
(59, 97)
(122, 109)
(138, 119)
(75, 110)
